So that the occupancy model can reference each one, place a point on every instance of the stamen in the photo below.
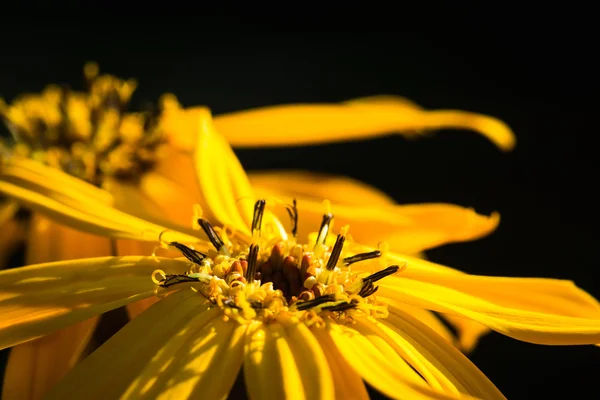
(194, 256)
(361, 257)
(324, 229)
(382, 274)
(305, 305)
(335, 253)
(341, 307)
(174, 279)
(259, 210)
(213, 236)
(252, 263)
(293, 213)
(368, 289)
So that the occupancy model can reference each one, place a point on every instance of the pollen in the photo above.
(90, 134)
(263, 279)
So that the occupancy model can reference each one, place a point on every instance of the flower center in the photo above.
(86, 134)
(309, 281)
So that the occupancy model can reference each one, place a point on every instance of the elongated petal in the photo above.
(375, 368)
(75, 207)
(318, 186)
(119, 361)
(180, 363)
(347, 382)
(35, 366)
(441, 355)
(300, 124)
(522, 324)
(269, 366)
(375, 332)
(310, 360)
(407, 229)
(469, 332)
(40, 299)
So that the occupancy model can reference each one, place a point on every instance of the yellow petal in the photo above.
(40, 299)
(435, 377)
(179, 364)
(433, 322)
(74, 207)
(406, 228)
(8, 209)
(318, 186)
(309, 359)
(269, 367)
(519, 323)
(301, 124)
(442, 356)
(221, 178)
(36, 366)
(108, 371)
(375, 368)
(469, 332)
(347, 382)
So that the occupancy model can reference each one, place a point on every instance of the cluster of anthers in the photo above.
(269, 277)
(89, 134)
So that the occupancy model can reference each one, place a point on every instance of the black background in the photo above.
(535, 72)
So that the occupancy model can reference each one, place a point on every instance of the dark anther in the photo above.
(194, 256)
(259, 210)
(171, 280)
(305, 305)
(341, 307)
(382, 274)
(361, 257)
(293, 213)
(256, 304)
(252, 263)
(324, 229)
(231, 303)
(368, 289)
(335, 253)
(214, 238)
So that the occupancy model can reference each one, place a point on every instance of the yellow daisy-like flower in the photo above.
(302, 320)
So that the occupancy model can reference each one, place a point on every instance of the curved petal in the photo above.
(444, 357)
(35, 366)
(300, 124)
(108, 372)
(318, 186)
(40, 299)
(74, 207)
(269, 367)
(310, 360)
(179, 366)
(375, 368)
(406, 228)
(468, 331)
(521, 324)
(347, 382)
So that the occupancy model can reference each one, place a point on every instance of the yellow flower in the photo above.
(303, 320)
(145, 161)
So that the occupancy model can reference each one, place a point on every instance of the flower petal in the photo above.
(347, 382)
(318, 186)
(36, 366)
(300, 124)
(178, 369)
(375, 368)
(376, 332)
(40, 299)
(406, 228)
(108, 371)
(74, 207)
(444, 357)
(521, 324)
(269, 367)
(310, 360)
